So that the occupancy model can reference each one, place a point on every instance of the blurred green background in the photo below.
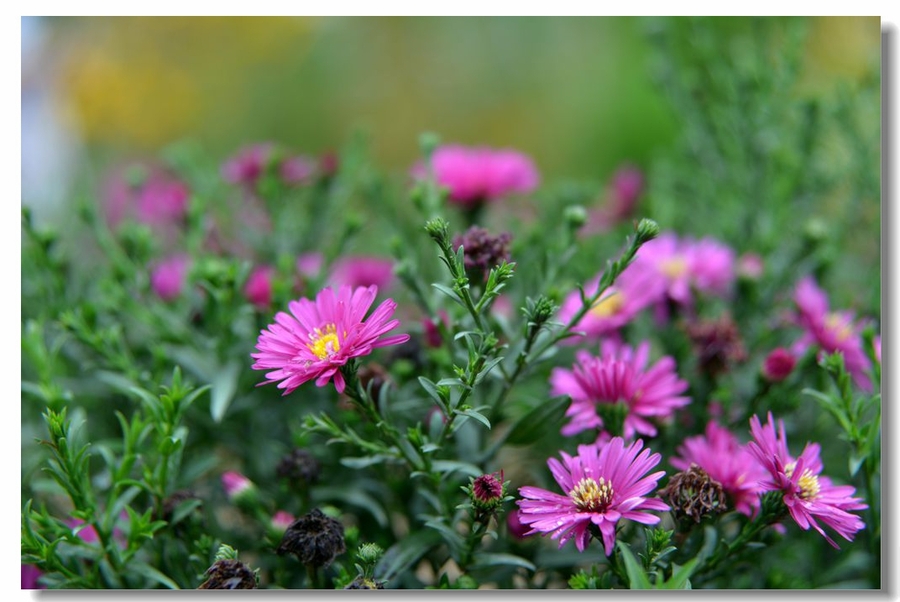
(575, 93)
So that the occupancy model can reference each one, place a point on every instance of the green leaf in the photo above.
(538, 421)
(680, 576)
(449, 466)
(152, 574)
(449, 292)
(476, 415)
(353, 496)
(406, 552)
(224, 386)
(484, 559)
(637, 578)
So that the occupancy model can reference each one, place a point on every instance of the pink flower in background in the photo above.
(309, 265)
(248, 164)
(362, 271)
(145, 193)
(831, 331)
(621, 196)
(318, 337)
(258, 289)
(750, 266)
(475, 175)
(297, 170)
(725, 460)
(281, 520)
(632, 291)
(778, 365)
(602, 486)
(619, 376)
(876, 343)
(685, 266)
(30, 575)
(167, 278)
(809, 496)
(235, 484)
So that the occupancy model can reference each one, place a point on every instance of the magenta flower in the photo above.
(475, 175)
(162, 201)
(248, 164)
(362, 271)
(258, 289)
(618, 376)
(602, 486)
(831, 331)
(632, 291)
(146, 193)
(778, 365)
(281, 520)
(725, 460)
(30, 576)
(167, 278)
(297, 170)
(750, 266)
(318, 337)
(809, 496)
(236, 484)
(685, 265)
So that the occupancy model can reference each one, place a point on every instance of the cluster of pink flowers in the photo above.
(145, 193)
(475, 175)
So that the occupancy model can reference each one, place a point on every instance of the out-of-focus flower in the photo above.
(602, 486)
(633, 291)
(314, 538)
(309, 265)
(229, 573)
(685, 265)
(482, 252)
(750, 266)
(167, 277)
(318, 337)
(281, 520)
(297, 170)
(258, 289)
(809, 496)
(362, 271)
(516, 527)
(717, 344)
(720, 454)
(146, 193)
(299, 467)
(831, 331)
(475, 175)
(248, 164)
(30, 576)
(621, 196)
(876, 342)
(778, 365)
(619, 380)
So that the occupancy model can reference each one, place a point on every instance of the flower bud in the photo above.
(778, 365)
(240, 490)
(487, 493)
(575, 216)
(258, 289)
(646, 230)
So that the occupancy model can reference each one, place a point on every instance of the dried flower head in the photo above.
(229, 574)
(299, 467)
(694, 494)
(482, 251)
(315, 539)
(717, 344)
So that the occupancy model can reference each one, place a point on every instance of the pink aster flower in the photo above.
(809, 496)
(778, 365)
(619, 376)
(168, 276)
(685, 266)
(720, 454)
(475, 175)
(357, 271)
(297, 170)
(830, 330)
(602, 485)
(318, 337)
(632, 291)
(248, 164)
(162, 201)
(258, 289)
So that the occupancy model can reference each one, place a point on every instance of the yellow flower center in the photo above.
(841, 328)
(608, 305)
(673, 267)
(324, 344)
(809, 483)
(591, 495)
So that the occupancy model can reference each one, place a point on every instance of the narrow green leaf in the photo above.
(637, 578)
(484, 559)
(224, 386)
(539, 421)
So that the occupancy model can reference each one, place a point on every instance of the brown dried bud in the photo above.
(717, 344)
(229, 574)
(315, 539)
(299, 467)
(694, 494)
